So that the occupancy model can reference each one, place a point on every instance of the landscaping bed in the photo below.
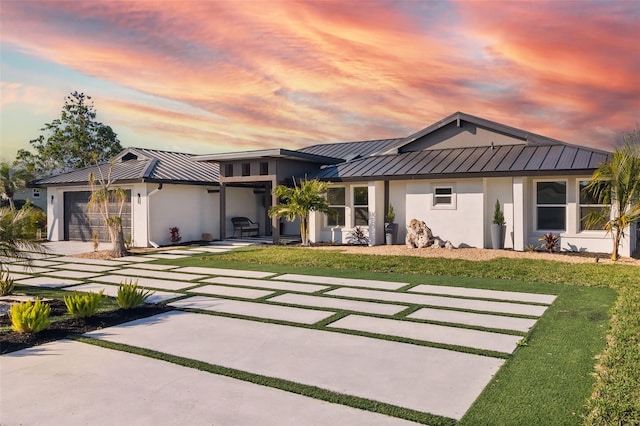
(62, 328)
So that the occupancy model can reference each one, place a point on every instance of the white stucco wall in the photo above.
(498, 189)
(463, 224)
(191, 208)
(243, 202)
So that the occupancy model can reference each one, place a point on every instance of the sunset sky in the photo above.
(230, 75)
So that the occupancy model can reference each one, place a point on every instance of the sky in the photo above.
(232, 75)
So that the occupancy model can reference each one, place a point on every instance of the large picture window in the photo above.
(551, 206)
(337, 204)
(361, 206)
(589, 206)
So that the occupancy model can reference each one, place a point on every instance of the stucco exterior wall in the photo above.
(191, 208)
(499, 189)
(30, 194)
(462, 224)
(242, 202)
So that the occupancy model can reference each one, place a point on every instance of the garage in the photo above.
(80, 224)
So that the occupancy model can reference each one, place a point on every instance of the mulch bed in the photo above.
(11, 341)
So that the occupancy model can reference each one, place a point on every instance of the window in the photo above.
(551, 206)
(590, 205)
(246, 169)
(444, 197)
(36, 193)
(228, 170)
(264, 168)
(361, 206)
(336, 200)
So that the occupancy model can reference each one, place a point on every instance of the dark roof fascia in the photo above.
(180, 182)
(268, 153)
(126, 182)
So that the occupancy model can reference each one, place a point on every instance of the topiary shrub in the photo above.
(6, 283)
(83, 305)
(130, 296)
(30, 317)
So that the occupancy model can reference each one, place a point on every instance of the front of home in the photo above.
(448, 175)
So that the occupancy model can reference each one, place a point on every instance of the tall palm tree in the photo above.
(299, 201)
(11, 179)
(617, 182)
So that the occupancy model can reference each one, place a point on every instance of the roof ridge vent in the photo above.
(129, 156)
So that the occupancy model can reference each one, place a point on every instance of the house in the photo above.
(449, 175)
(165, 189)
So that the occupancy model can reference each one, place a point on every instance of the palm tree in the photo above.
(299, 201)
(617, 182)
(11, 179)
(109, 202)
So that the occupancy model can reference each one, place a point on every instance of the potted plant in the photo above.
(391, 228)
(497, 228)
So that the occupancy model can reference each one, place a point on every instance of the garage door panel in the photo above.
(80, 223)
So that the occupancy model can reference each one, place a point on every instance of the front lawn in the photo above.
(549, 380)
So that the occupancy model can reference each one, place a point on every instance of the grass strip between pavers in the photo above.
(285, 385)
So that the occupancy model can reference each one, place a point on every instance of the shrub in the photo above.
(28, 317)
(550, 241)
(130, 296)
(357, 237)
(83, 305)
(174, 235)
(498, 215)
(6, 283)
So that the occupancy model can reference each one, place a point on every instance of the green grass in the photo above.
(522, 270)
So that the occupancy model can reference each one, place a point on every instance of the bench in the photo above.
(245, 226)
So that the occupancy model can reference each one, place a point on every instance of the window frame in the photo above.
(246, 169)
(337, 206)
(359, 206)
(452, 204)
(228, 170)
(538, 205)
(580, 205)
(35, 192)
(264, 168)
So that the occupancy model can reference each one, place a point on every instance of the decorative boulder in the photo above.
(418, 234)
(449, 245)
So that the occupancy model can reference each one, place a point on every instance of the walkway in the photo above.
(430, 349)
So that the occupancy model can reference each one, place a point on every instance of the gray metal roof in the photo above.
(143, 165)
(512, 160)
(299, 155)
(351, 150)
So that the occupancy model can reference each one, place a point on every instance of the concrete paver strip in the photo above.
(166, 256)
(220, 249)
(220, 290)
(430, 333)
(37, 262)
(225, 272)
(112, 291)
(153, 266)
(426, 379)
(349, 282)
(86, 267)
(514, 296)
(184, 252)
(277, 285)
(469, 318)
(12, 267)
(89, 261)
(15, 276)
(48, 282)
(252, 309)
(72, 274)
(107, 387)
(447, 302)
(133, 259)
(333, 303)
(179, 276)
(146, 282)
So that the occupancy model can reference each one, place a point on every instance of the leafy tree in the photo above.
(11, 179)
(14, 241)
(109, 202)
(73, 141)
(299, 202)
(617, 182)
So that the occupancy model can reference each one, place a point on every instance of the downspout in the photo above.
(152, 243)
